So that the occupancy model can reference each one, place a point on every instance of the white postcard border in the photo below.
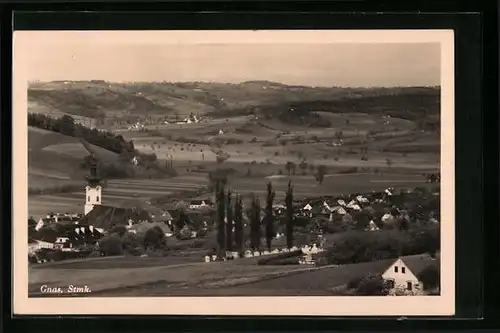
(26, 41)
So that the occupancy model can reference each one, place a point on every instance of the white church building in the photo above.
(93, 190)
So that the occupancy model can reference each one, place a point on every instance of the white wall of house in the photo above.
(307, 207)
(196, 206)
(39, 245)
(402, 276)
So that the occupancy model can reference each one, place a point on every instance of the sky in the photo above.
(320, 64)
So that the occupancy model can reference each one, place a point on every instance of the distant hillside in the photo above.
(419, 105)
(98, 99)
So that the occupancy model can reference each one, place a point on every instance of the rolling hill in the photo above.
(56, 160)
(99, 99)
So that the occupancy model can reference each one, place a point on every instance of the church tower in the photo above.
(93, 190)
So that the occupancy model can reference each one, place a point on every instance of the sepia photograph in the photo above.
(234, 172)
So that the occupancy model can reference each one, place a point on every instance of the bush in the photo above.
(359, 246)
(132, 243)
(111, 245)
(32, 259)
(354, 283)
(285, 258)
(320, 261)
(94, 254)
(119, 230)
(55, 255)
(372, 285)
(430, 277)
(155, 239)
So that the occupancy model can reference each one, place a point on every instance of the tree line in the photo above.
(66, 125)
(230, 225)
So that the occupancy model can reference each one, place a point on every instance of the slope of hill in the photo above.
(55, 159)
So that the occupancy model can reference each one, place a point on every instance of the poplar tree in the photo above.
(255, 225)
(238, 225)
(269, 217)
(221, 237)
(289, 215)
(229, 222)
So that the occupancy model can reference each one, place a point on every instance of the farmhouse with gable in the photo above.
(404, 272)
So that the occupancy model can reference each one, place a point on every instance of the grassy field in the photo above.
(55, 159)
(182, 276)
(165, 277)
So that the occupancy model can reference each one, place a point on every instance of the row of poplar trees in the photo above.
(229, 220)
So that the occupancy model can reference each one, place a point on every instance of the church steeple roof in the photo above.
(93, 178)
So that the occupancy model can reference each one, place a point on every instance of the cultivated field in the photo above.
(117, 192)
(123, 192)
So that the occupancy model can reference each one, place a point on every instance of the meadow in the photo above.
(158, 277)
(182, 276)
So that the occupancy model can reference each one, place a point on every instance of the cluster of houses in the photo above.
(62, 218)
(308, 252)
(385, 207)
(199, 204)
(191, 119)
(136, 126)
(71, 232)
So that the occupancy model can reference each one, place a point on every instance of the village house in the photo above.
(307, 207)
(51, 218)
(143, 227)
(372, 226)
(197, 204)
(64, 237)
(339, 210)
(104, 218)
(404, 272)
(353, 205)
(35, 245)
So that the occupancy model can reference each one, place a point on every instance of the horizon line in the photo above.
(37, 81)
